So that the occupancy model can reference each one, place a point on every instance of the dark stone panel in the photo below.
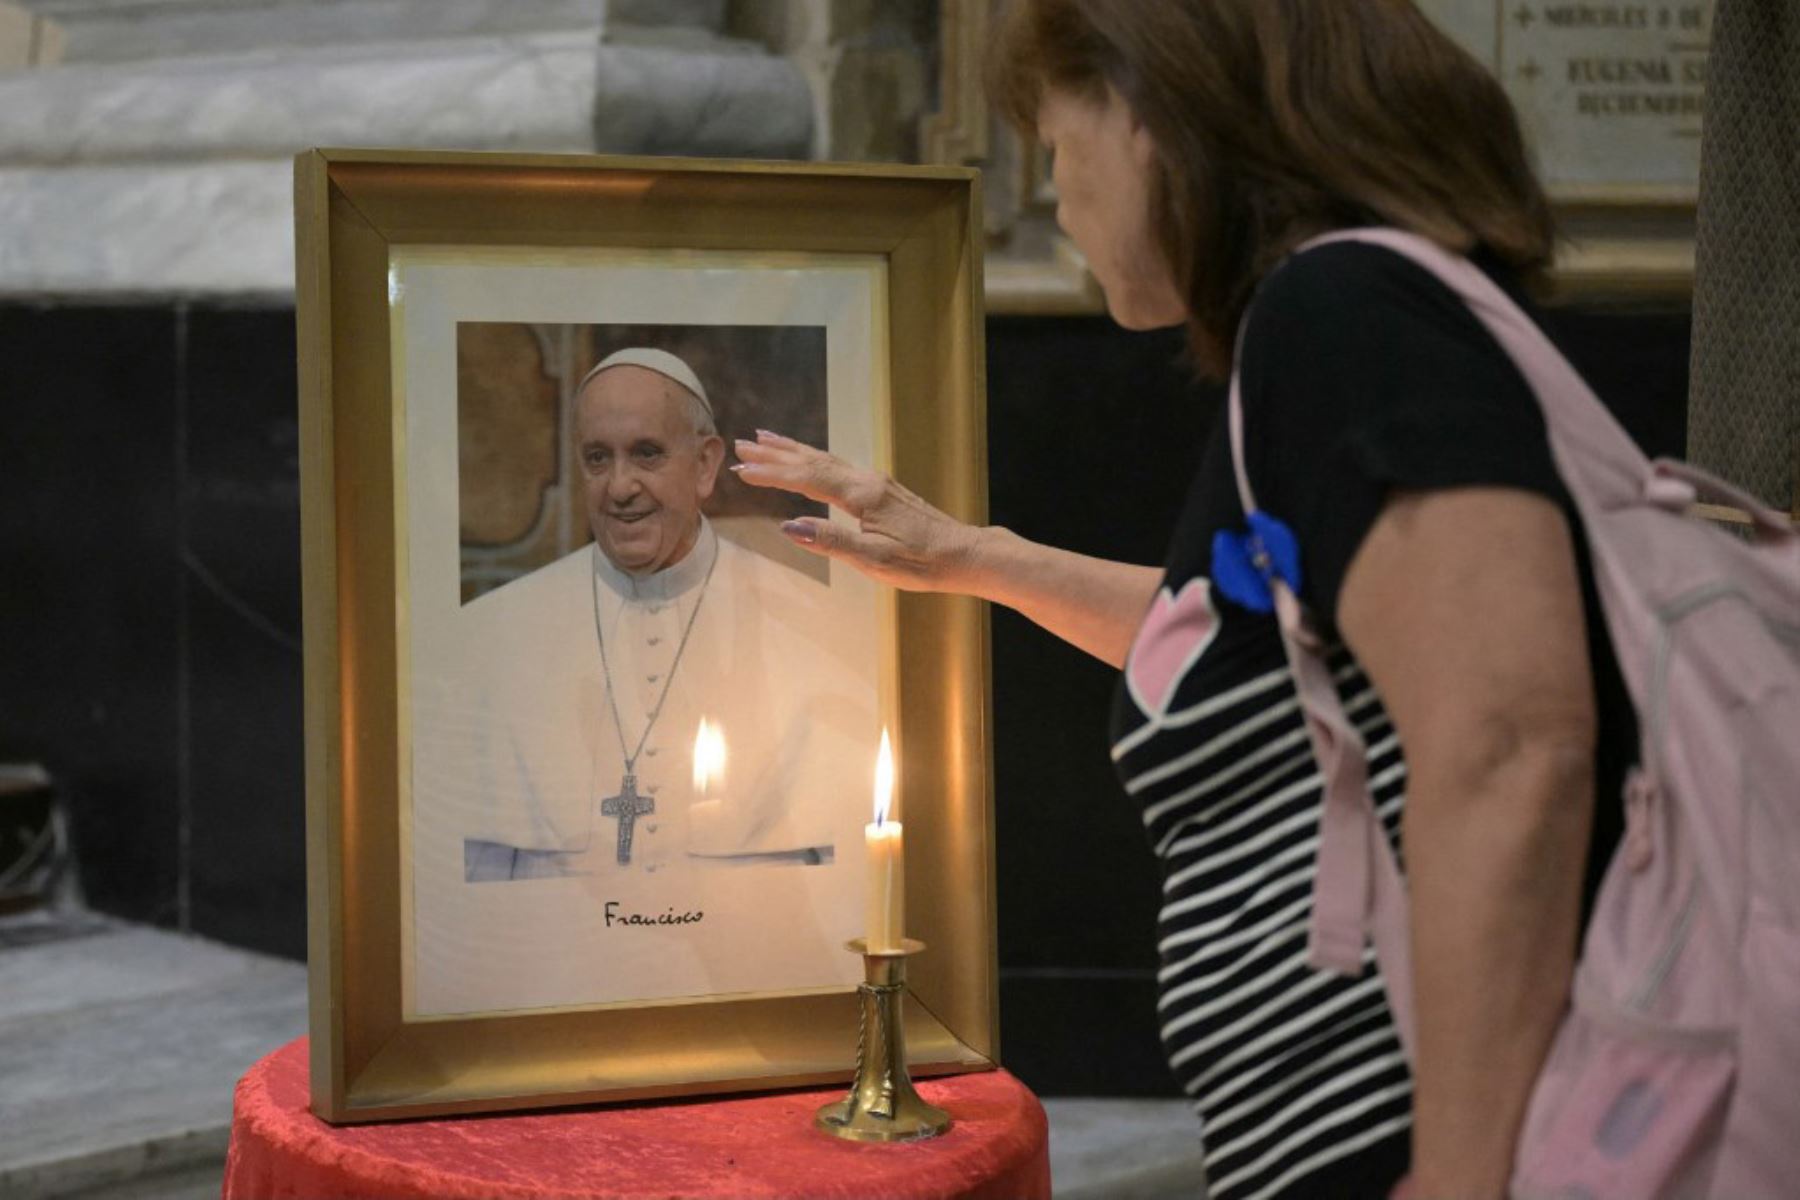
(1094, 434)
(1637, 362)
(1077, 882)
(1075, 1033)
(1093, 437)
(242, 575)
(88, 585)
(248, 868)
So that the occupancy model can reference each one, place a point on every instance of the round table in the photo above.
(740, 1146)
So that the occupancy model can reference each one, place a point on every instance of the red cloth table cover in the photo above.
(756, 1146)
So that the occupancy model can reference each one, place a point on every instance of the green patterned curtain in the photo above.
(1744, 405)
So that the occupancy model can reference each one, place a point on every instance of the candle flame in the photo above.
(884, 779)
(709, 756)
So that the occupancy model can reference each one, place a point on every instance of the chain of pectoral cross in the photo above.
(628, 806)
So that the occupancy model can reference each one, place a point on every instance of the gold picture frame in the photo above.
(355, 211)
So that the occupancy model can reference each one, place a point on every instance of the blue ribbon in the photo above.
(1246, 565)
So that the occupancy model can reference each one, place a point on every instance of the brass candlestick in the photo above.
(882, 1105)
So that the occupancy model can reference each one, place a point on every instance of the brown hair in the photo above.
(1279, 119)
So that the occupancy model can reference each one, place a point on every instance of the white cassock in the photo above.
(528, 750)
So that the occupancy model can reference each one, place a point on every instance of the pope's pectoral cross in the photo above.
(627, 806)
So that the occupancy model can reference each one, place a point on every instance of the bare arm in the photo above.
(1465, 609)
(1091, 603)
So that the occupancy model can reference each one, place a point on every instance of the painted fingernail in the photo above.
(800, 531)
(769, 433)
(735, 467)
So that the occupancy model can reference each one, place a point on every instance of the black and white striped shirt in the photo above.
(1290, 1068)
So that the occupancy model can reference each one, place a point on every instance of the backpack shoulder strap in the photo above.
(1358, 893)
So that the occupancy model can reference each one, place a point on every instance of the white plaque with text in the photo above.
(1610, 94)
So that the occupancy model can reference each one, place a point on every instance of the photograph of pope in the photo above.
(584, 683)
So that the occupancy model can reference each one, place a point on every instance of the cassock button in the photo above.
(653, 678)
(656, 641)
(651, 752)
(650, 827)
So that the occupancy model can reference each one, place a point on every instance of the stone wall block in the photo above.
(868, 64)
(655, 101)
(123, 30)
(174, 176)
(179, 229)
(691, 14)
(526, 93)
(878, 97)
(548, 92)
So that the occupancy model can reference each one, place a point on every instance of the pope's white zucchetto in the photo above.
(660, 361)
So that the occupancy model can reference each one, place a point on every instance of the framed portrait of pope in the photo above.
(590, 743)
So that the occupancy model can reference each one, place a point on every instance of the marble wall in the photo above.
(150, 605)
(158, 159)
(102, 31)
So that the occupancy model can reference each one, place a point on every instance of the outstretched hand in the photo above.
(899, 539)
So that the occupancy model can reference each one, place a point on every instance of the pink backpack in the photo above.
(1676, 1069)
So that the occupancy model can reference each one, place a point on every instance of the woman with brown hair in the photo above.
(1198, 144)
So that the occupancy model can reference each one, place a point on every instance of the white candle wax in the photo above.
(887, 885)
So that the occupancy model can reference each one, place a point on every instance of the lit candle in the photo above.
(887, 864)
(706, 815)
